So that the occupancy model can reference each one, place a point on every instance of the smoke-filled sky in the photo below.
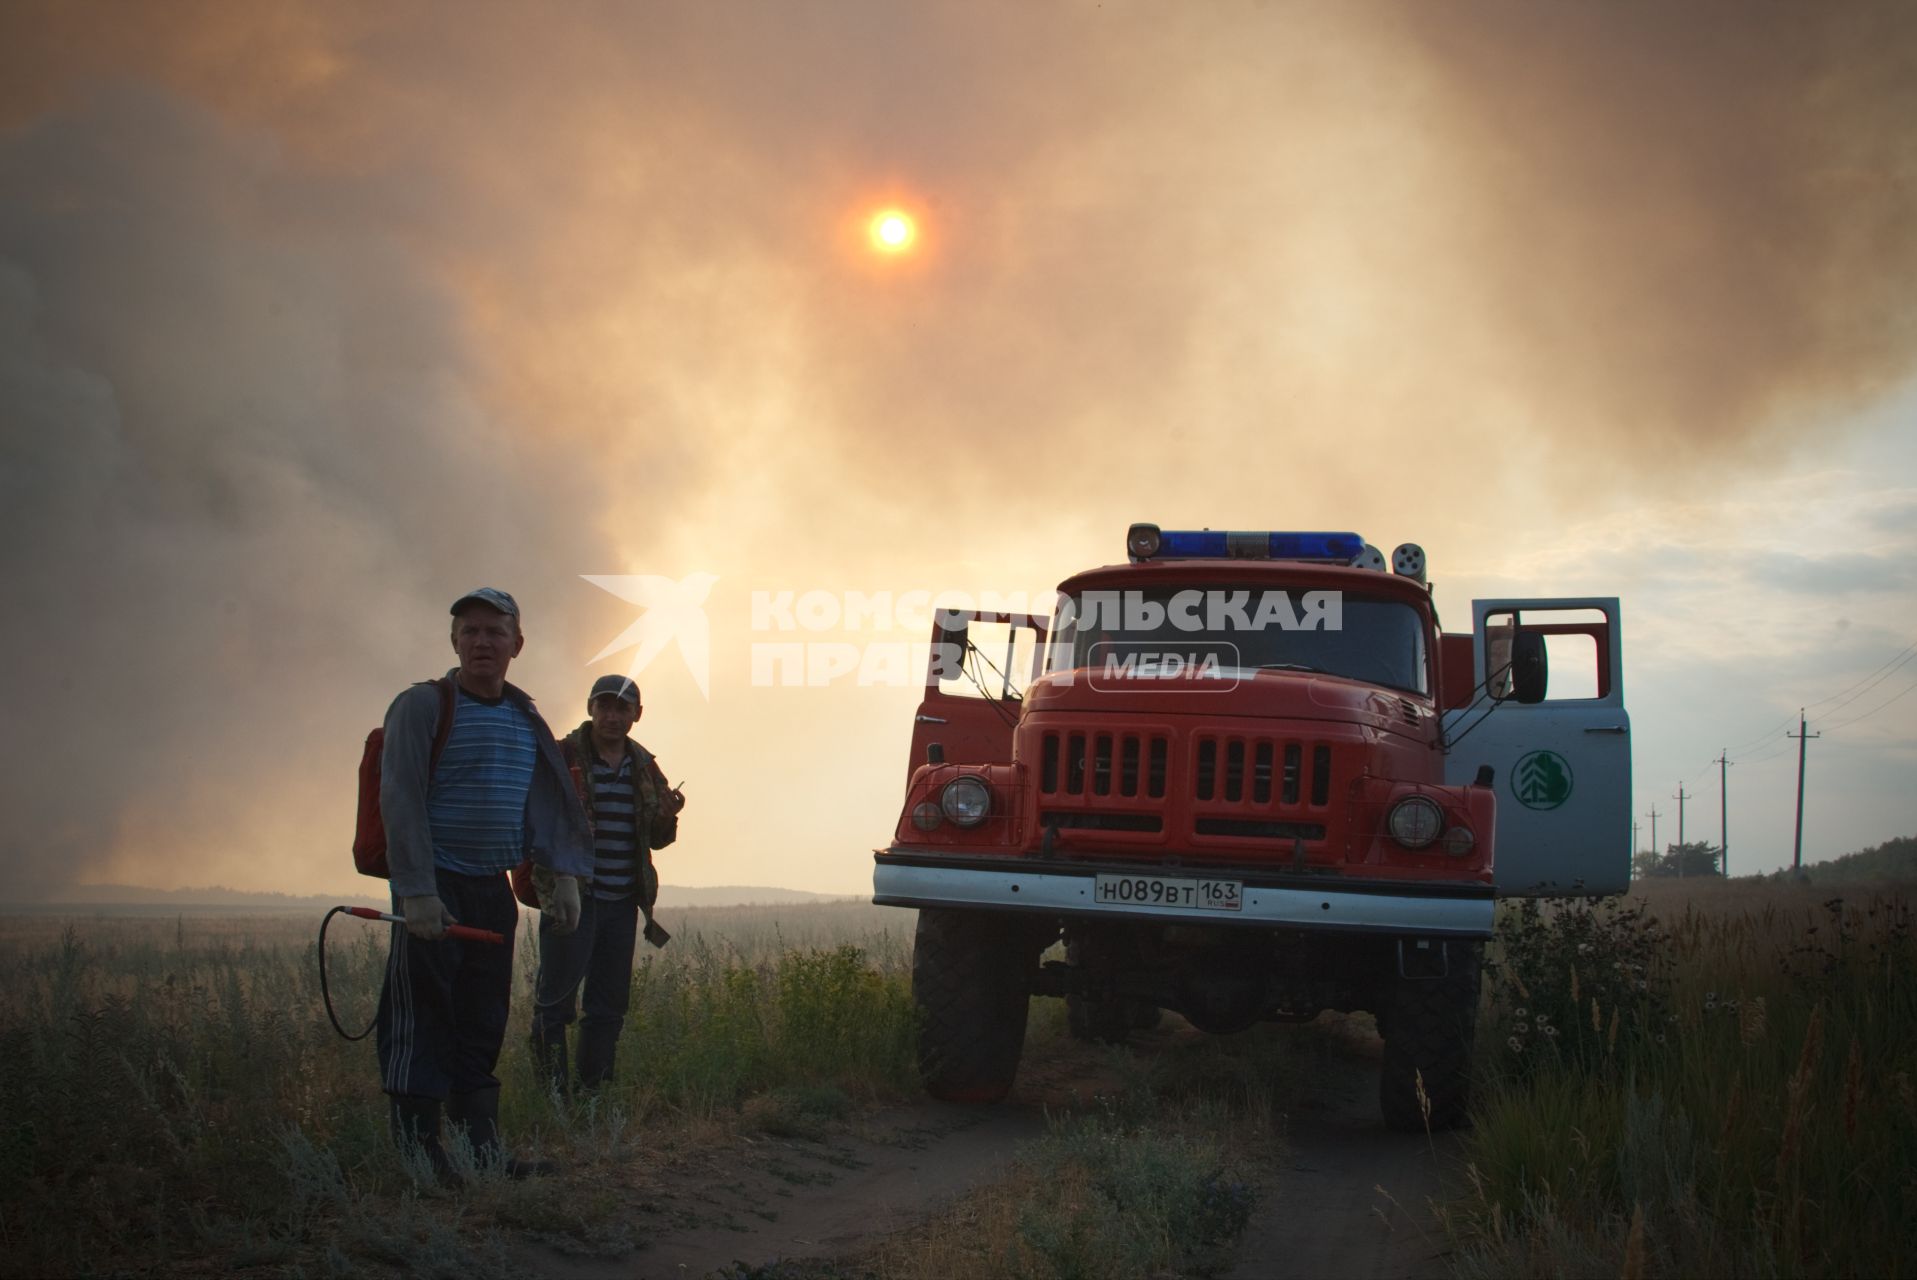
(313, 316)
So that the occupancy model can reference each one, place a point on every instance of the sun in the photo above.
(892, 231)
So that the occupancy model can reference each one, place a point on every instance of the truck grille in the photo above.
(1220, 772)
(1103, 764)
(1069, 820)
(1232, 787)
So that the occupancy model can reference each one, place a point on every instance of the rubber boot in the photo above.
(479, 1112)
(416, 1119)
(597, 1044)
(549, 1059)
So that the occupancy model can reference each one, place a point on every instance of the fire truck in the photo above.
(1249, 777)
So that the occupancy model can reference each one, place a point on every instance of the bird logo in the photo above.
(674, 614)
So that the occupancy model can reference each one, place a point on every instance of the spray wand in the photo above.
(464, 932)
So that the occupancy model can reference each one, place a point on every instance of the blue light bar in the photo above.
(1217, 544)
(1342, 547)
(1187, 542)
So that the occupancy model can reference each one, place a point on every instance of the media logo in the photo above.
(1124, 666)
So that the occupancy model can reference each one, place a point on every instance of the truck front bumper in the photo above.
(1052, 887)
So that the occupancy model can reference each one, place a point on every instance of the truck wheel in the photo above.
(971, 980)
(1428, 1026)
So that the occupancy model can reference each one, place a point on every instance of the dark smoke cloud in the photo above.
(1586, 235)
(1699, 222)
(273, 318)
(243, 471)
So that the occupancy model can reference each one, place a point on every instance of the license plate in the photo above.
(1168, 891)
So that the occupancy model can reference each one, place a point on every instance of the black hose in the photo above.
(326, 993)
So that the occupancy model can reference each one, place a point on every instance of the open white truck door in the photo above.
(1562, 766)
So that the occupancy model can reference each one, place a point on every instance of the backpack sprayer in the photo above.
(464, 932)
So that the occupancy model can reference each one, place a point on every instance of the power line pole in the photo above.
(1797, 855)
(1723, 812)
(1632, 873)
(1653, 817)
(1680, 830)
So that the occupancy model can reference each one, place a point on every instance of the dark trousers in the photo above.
(443, 1008)
(598, 954)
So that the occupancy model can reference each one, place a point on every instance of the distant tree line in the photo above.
(1698, 858)
(1891, 860)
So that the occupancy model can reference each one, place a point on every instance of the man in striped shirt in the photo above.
(633, 812)
(462, 802)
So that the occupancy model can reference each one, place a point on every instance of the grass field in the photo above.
(177, 1095)
(1706, 1078)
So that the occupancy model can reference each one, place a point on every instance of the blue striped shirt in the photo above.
(615, 830)
(477, 804)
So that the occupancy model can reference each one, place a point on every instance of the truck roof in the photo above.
(1305, 574)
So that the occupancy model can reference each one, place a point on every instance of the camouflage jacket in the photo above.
(655, 825)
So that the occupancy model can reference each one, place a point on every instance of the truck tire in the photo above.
(971, 980)
(1428, 1027)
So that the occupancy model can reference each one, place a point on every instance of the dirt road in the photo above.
(769, 1198)
(793, 1198)
(1350, 1198)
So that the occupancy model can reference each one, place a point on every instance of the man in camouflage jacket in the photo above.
(633, 812)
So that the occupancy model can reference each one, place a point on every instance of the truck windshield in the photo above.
(1243, 629)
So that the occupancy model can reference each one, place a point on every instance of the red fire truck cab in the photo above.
(1250, 778)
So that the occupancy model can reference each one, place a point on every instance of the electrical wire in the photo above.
(1872, 685)
(1702, 770)
(1902, 656)
(1783, 748)
(1758, 740)
(1856, 687)
(1772, 754)
(1873, 711)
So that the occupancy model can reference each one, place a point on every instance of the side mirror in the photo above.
(949, 639)
(950, 635)
(1530, 667)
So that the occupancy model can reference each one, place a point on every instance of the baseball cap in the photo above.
(620, 687)
(491, 596)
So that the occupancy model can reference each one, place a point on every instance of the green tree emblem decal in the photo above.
(1542, 780)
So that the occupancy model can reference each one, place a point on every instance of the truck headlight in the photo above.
(1414, 822)
(1459, 841)
(967, 801)
(925, 816)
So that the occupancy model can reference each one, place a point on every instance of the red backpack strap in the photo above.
(581, 774)
(444, 729)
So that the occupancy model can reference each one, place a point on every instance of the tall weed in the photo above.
(1761, 1120)
(177, 1094)
(1111, 1200)
(1583, 983)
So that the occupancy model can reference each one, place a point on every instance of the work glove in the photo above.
(426, 917)
(562, 905)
